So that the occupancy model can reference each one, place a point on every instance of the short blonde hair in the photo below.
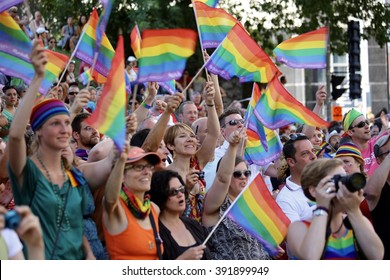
(172, 132)
(315, 171)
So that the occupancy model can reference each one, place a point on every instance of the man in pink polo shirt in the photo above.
(357, 128)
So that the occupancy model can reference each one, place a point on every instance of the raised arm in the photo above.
(218, 96)
(220, 187)
(155, 136)
(142, 112)
(114, 183)
(376, 183)
(206, 151)
(320, 101)
(16, 143)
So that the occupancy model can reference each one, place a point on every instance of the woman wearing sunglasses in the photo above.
(182, 237)
(129, 217)
(229, 241)
(329, 235)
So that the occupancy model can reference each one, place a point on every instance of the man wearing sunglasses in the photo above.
(357, 128)
(231, 120)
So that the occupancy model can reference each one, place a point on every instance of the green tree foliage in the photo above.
(268, 21)
(272, 21)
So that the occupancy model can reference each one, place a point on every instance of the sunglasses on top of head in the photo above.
(361, 124)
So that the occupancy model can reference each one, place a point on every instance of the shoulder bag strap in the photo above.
(156, 235)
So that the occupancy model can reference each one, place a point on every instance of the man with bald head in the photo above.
(200, 129)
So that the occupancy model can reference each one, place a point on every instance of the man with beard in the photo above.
(85, 136)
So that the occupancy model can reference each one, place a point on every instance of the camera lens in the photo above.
(356, 181)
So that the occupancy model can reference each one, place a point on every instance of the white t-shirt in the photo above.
(12, 241)
(294, 203)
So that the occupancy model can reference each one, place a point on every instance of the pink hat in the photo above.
(136, 154)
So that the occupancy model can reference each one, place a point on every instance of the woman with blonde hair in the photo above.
(188, 160)
(42, 181)
(338, 229)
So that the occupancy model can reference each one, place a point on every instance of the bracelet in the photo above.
(146, 105)
(212, 105)
(321, 211)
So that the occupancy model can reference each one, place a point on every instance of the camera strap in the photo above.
(156, 236)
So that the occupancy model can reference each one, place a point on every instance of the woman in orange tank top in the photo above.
(128, 214)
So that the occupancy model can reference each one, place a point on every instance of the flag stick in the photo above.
(227, 211)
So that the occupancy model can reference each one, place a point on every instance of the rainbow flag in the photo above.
(304, 51)
(277, 108)
(263, 145)
(164, 54)
(13, 40)
(135, 39)
(239, 55)
(19, 68)
(110, 113)
(86, 47)
(5, 5)
(257, 212)
(169, 86)
(86, 76)
(214, 24)
(210, 3)
(100, 31)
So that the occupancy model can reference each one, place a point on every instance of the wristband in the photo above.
(146, 105)
(321, 211)
(212, 105)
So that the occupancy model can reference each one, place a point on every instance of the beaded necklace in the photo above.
(138, 210)
(61, 213)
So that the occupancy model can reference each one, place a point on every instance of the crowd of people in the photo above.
(78, 197)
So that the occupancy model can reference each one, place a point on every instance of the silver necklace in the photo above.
(60, 199)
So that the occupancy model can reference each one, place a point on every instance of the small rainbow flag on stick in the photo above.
(257, 212)
(135, 39)
(214, 24)
(86, 47)
(164, 54)
(239, 55)
(277, 108)
(304, 51)
(110, 113)
(263, 145)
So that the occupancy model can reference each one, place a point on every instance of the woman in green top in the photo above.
(56, 195)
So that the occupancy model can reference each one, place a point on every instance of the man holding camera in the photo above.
(377, 192)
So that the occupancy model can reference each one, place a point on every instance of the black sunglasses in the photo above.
(238, 174)
(361, 124)
(174, 192)
(72, 92)
(234, 122)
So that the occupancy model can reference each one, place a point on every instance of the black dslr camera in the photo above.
(353, 182)
(12, 219)
(201, 175)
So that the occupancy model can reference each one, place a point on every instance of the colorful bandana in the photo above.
(46, 109)
(349, 118)
(138, 210)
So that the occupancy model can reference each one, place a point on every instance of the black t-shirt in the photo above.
(380, 219)
(172, 250)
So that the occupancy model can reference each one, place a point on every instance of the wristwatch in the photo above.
(320, 212)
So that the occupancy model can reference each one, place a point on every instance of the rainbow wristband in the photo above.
(146, 105)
